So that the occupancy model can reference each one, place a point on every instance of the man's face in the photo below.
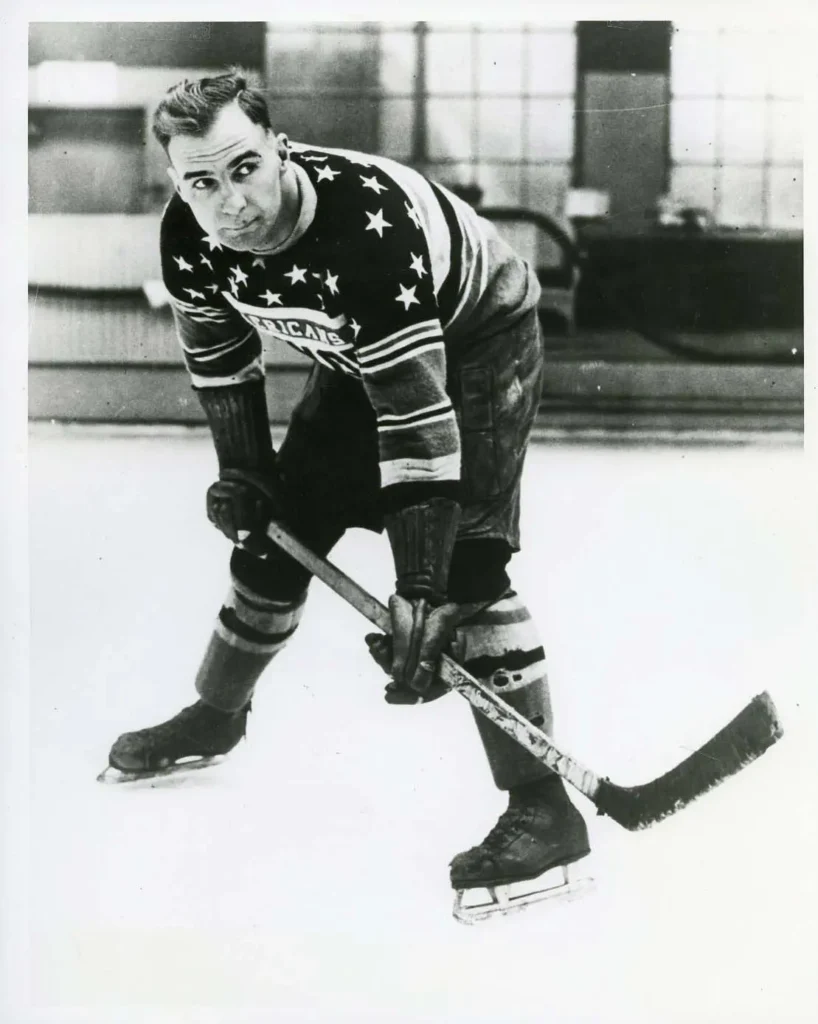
(232, 178)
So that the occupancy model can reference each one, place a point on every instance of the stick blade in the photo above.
(753, 731)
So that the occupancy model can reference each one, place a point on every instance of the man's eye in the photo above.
(244, 171)
(202, 185)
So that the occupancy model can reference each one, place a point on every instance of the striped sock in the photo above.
(249, 632)
(500, 646)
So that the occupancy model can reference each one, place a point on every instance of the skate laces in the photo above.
(513, 819)
(184, 717)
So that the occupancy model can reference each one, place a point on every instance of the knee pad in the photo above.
(256, 624)
(501, 646)
(278, 577)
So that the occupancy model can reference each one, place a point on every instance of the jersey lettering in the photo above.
(309, 328)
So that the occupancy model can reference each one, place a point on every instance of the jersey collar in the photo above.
(306, 214)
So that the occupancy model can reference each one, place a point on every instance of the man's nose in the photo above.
(234, 201)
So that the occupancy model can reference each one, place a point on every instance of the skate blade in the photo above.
(116, 776)
(511, 898)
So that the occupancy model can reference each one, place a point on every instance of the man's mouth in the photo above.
(237, 229)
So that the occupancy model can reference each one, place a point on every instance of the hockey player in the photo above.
(422, 326)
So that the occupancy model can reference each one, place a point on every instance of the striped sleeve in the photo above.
(218, 346)
(401, 353)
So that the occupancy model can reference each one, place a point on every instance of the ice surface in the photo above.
(306, 878)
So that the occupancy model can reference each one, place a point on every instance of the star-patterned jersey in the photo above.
(387, 281)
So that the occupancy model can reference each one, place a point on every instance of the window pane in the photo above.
(551, 61)
(741, 196)
(298, 61)
(744, 63)
(787, 132)
(397, 63)
(450, 129)
(500, 64)
(346, 123)
(787, 64)
(743, 131)
(546, 186)
(396, 122)
(500, 125)
(500, 184)
(551, 129)
(451, 174)
(693, 130)
(694, 63)
(694, 186)
(449, 62)
(290, 60)
(448, 26)
(347, 60)
(786, 198)
(554, 24)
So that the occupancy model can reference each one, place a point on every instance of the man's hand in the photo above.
(241, 504)
(420, 634)
(422, 539)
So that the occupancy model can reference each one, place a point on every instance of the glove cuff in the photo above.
(237, 415)
(266, 484)
(422, 537)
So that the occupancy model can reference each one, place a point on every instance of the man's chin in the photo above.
(243, 240)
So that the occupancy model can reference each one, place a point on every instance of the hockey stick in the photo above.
(741, 741)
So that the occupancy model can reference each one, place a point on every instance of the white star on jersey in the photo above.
(272, 298)
(193, 293)
(332, 283)
(377, 223)
(327, 174)
(239, 274)
(356, 327)
(206, 261)
(413, 214)
(297, 274)
(374, 184)
(407, 297)
(183, 263)
(417, 265)
(213, 242)
(258, 262)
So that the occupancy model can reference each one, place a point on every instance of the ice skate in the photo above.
(198, 737)
(516, 863)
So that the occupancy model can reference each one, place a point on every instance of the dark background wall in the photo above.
(194, 44)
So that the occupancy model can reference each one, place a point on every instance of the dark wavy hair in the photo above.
(191, 107)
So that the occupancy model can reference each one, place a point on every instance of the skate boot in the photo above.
(541, 830)
(199, 736)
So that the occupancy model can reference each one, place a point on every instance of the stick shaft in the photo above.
(331, 575)
(534, 740)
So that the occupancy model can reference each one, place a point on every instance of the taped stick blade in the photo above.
(754, 729)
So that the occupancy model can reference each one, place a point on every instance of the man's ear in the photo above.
(174, 177)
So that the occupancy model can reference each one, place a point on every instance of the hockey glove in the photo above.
(248, 492)
(241, 504)
(422, 621)
(420, 634)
